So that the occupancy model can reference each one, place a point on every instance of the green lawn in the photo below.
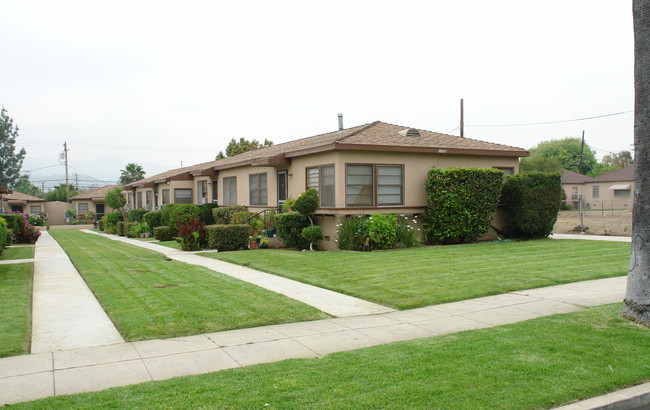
(540, 363)
(149, 297)
(411, 278)
(15, 308)
(21, 252)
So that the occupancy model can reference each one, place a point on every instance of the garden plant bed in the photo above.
(411, 278)
(540, 363)
(148, 297)
(615, 223)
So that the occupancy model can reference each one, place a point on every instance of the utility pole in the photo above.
(582, 148)
(76, 180)
(67, 186)
(462, 121)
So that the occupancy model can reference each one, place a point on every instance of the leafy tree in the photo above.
(637, 295)
(58, 193)
(540, 164)
(243, 145)
(133, 172)
(115, 199)
(25, 186)
(10, 161)
(567, 152)
(618, 160)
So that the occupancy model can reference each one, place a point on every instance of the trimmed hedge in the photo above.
(12, 221)
(532, 202)
(100, 224)
(153, 219)
(227, 237)
(164, 233)
(3, 234)
(184, 213)
(166, 212)
(290, 226)
(461, 203)
(223, 214)
(307, 202)
(206, 213)
(135, 215)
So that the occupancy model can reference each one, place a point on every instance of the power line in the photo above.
(550, 122)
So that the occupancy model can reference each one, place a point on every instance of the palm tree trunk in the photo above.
(637, 297)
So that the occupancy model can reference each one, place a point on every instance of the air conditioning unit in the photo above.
(204, 201)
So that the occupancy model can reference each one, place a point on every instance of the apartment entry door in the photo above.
(283, 188)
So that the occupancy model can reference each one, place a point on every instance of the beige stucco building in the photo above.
(614, 190)
(376, 167)
(14, 201)
(92, 201)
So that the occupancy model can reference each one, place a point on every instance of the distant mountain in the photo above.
(87, 174)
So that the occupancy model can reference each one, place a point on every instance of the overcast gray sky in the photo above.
(164, 82)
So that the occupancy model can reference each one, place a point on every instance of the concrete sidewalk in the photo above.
(588, 237)
(330, 302)
(65, 313)
(71, 371)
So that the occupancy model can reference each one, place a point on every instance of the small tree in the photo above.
(307, 203)
(133, 172)
(313, 234)
(115, 199)
(243, 145)
(25, 186)
(10, 161)
(59, 193)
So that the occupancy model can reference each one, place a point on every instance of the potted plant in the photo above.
(265, 243)
(252, 241)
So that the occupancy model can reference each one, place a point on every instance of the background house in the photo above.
(376, 167)
(92, 201)
(614, 190)
(14, 201)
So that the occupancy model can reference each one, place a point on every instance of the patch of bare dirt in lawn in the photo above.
(616, 223)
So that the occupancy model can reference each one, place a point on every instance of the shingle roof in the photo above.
(570, 177)
(98, 193)
(624, 174)
(376, 136)
(19, 196)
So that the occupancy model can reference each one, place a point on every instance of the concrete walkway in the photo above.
(65, 313)
(34, 376)
(15, 261)
(333, 303)
(588, 237)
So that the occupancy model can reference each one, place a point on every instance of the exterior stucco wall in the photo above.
(243, 194)
(606, 198)
(55, 211)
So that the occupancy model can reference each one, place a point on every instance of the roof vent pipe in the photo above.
(340, 121)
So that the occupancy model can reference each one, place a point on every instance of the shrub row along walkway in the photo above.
(332, 303)
(65, 313)
(34, 376)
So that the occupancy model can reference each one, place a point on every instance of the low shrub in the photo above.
(313, 234)
(110, 222)
(184, 214)
(21, 230)
(382, 230)
(461, 203)
(134, 229)
(378, 231)
(164, 233)
(3, 234)
(123, 227)
(241, 218)
(206, 213)
(153, 219)
(406, 236)
(100, 224)
(223, 214)
(352, 234)
(227, 237)
(36, 220)
(290, 226)
(135, 215)
(532, 202)
(192, 234)
(12, 220)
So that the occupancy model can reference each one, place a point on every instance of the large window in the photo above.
(82, 208)
(596, 191)
(322, 179)
(367, 185)
(390, 185)
(622, 192)
(182, 196)
(35, 209)
(201, 192)
(229, 191)
(257, 189)
(359, 183)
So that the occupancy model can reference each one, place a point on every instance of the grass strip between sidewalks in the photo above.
(15, 308)
(19, 252)
(411, 278)
(539, 363)
(148, 297)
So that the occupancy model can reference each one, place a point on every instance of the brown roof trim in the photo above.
(185, 176)
(313, 150)
(204, 172)
(432, 150)
(273, 161)
(233, 165)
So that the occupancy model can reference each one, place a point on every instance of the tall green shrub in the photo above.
(153, 219)
(307, 203)
(461, 202)
(206, 213)
(135, 215)
(166, 213)
(3, 234)
(184, 213)
(290, 226)
(531, 202)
